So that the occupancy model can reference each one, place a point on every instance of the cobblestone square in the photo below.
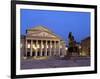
(55, 63)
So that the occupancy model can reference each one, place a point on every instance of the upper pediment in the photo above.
(41, 32)
(38, 28)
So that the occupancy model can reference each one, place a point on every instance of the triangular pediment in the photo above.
(42, 34)
(40, 28)
(41, 31)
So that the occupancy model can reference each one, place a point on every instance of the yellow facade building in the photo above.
(40, 42)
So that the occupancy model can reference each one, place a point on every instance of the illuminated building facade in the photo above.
(85, 47)
(40, 41)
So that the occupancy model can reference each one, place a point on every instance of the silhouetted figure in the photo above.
(70, 43)
(72, 48)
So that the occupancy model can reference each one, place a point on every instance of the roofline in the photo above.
(46, 31)
(86, 38)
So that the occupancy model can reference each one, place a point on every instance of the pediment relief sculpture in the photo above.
(41, 34)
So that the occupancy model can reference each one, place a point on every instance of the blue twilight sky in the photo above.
(60, 22)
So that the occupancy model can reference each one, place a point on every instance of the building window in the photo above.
(28, 46)
(82, 53)
(34, 47)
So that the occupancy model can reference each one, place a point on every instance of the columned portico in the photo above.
(45, 44)
(49, 49)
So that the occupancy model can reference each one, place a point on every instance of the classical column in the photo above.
(54, 47)
(59, 48)
(46, 48)
(31, 47)
(36, 50)
(41, 48)
(53, 44)
(26, 47)
(50, 47)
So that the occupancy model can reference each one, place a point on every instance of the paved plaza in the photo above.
(55, 63)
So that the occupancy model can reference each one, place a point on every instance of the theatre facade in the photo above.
(40, 42)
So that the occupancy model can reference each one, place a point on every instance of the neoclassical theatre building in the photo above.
(40, 41)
